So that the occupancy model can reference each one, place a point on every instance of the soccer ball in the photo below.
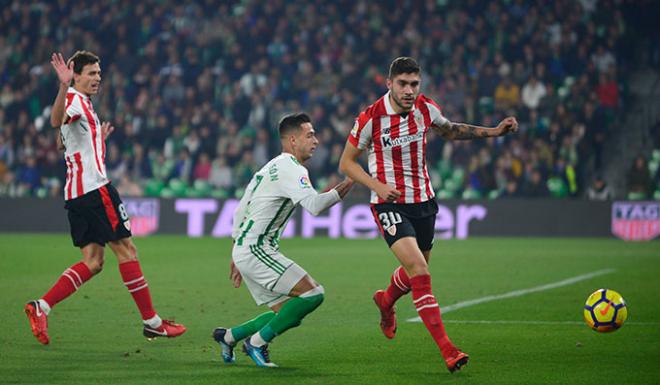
(605, 311)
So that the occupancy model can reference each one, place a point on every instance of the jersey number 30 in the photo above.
(389, 218)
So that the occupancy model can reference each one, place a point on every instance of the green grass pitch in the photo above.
(537, 338)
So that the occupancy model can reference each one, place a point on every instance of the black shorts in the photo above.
(99, 216)
(398, 220)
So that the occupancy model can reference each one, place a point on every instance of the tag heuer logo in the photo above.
(636, 221)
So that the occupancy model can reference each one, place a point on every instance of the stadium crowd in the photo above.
(195, 91)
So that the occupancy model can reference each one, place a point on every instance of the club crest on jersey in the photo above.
(391, 230)
(127, 224)
(304, 182)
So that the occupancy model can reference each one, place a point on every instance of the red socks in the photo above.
(70, 280)
(399, 285)
(136, 284)
(76, 275)
(429, 311)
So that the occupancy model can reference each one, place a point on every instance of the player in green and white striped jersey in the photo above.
(273, 279)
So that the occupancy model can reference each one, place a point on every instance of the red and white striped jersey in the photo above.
(397, 146)
(85, 146)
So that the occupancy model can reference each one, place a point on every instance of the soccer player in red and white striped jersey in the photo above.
(96, 213)
(393, 130)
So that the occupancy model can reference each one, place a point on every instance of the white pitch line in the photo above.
(513, 322)
(518, 293)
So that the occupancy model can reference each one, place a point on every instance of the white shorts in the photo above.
(268, 274)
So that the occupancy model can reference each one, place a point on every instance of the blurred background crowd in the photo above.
(195, 91)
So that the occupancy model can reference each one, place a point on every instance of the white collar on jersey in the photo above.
(388, 106)
(72, 90)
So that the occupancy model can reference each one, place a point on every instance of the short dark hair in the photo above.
(293, 122)
(81, 59)
(403, 65)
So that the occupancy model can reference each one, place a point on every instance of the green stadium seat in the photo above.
(653, 166)
(655, 155)
(166, 192)
(494, 194)
(202, 187)
(450, 185)
(178, 187)
(192, 192)
(153, 187)
(458, 175)
(470, 193)
(557, 187)
(444, 194)
(562, 92)
(41, 192)
(219, 193)
(636, 196)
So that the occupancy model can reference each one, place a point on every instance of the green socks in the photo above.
(292, 313)
(252, 326)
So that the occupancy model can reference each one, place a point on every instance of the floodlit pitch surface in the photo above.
(534, 336)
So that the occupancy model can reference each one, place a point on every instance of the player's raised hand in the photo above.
(106, 129)
(235, 275)
(64, 72)
(509, 124)
(387, 192)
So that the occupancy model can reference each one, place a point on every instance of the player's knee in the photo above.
(132, 250)
(314, 296)
(418, 268)
(95, 265)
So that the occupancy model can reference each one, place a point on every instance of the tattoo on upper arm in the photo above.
(461, 131)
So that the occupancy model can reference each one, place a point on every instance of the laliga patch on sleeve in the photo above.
(354, 130)
(304, 182)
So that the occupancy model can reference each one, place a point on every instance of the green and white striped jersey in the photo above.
(271, 197)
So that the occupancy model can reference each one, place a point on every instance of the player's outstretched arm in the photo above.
(344, 187)
(350, 167)
(316, 203)
(64, 74)
(463, 131)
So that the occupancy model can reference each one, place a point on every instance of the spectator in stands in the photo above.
(202, 168)
(183, 166)
(534, 185)
(608, 92)
(639, 179)
(221, 174)
(235, 72)
(599, 190)
(603, 59)
(9, 188)
(507, 95)
(29, 178)
(532, 93)
(162, 168)
(139, 166)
